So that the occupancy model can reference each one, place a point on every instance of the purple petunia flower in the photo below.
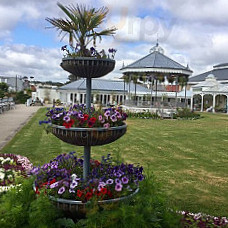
(109, 181)
(73, 184)
(118, 187)
(66, 118)
(125, 180)
(61, 190)
(118, 181)
(54, 116)
(101, 185)
(113, 118)
(80, 115)
(118, 115)
(54, 185)
(71, 191)
(107, 125)
(107, 114)
(100, 117)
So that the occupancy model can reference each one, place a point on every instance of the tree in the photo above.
(183, 81)
(3, 89)
(81, 25)
(135, 79)
(73, 78)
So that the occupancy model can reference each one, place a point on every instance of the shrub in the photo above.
(186, 113)
(143, 115)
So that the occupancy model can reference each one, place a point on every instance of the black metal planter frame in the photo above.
(88, 136)
(87, 67)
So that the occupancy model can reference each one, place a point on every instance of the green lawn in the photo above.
(189, 158)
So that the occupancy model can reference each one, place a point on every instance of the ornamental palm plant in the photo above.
(81, 24)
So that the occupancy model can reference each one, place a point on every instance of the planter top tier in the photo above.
(87, 67)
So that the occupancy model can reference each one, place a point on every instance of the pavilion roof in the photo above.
(220, 74)
(104, 85)
(156, 62)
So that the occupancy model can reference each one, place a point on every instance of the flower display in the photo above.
(92, 52)
(12, 168)
(80, 116)
(62, 178)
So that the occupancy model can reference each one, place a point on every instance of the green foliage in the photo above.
(81, 24)
(21, 98)
(148, 208)
(19, 208)
(186, 113)
(3, 89)
(143, 115)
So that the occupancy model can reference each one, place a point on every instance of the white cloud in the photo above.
(24, 60)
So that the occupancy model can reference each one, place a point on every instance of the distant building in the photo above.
(14, 83)
(219, 71)
(210, 95)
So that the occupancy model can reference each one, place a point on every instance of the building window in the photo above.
(5, 80)
(71, 97)
(81, 96)
(75, 97)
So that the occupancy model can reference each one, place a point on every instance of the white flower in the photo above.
(2, 175)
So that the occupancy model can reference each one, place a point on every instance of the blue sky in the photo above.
(191, 32)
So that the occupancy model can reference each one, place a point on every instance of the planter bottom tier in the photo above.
(78, 207)
(88, 136)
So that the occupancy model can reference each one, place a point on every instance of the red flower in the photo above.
(37, 191)
(109, 193)
(93, 119)
(69, 124)
(88, 195)
(45, 183)
(53, 181)
(86, 116)
(97, 163)
(90, 123)
(104, 191)
(79, 193)
(66, 125)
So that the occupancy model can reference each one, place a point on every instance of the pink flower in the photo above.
(118, 187)
(107, 125)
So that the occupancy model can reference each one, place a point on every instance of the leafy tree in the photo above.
(3, 89)
(73, 78)
(81, 24)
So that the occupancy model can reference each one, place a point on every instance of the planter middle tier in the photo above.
(88, 136)
(87, 67)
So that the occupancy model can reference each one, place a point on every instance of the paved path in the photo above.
(13, 120)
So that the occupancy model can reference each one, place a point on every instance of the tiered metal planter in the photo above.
(88, 68)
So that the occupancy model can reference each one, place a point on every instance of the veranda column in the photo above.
(202, 95)
(192, 102)
(227, 104)
(73, 98)
(68, 98)
(213, 104)
(78, 98)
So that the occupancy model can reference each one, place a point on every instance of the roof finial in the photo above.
(123, 65)
(157, 44)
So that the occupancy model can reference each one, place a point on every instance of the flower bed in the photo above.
(62, 178)
(201, 220)
(12, 169)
